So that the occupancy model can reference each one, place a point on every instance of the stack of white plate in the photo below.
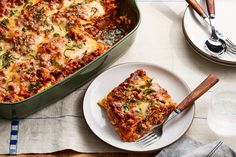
(197, 32)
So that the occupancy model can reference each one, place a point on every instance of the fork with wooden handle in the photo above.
(155, 134)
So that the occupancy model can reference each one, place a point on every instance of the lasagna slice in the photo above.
(136, 105)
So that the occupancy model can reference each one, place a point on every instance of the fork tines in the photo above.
(230, 46)
(149, 138)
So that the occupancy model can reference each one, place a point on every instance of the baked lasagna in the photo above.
(136, 105)
(44, 41)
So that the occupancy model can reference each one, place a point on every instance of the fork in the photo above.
(231, 47)
(211, 11)
(157, 130)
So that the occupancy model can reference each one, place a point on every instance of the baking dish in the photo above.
(19, 110)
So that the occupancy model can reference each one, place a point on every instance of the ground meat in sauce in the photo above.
(34, 18)
(33, 50)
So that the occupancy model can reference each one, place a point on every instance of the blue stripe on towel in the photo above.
(14, 137)
(13, 142)
(15, 122)
(14, 132)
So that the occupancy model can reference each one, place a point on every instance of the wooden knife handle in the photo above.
(209, 82)
(211, 7)
(196, 6)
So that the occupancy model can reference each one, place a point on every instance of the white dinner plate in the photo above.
(98, 121)
(197, 32)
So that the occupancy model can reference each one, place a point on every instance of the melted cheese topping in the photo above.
(143, 108)
(88, 10)
(43, 41)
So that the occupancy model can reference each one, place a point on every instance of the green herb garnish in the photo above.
(142, 86)
(85, 51)
(78, 46)
(52, 28)
(6, 59)
(4, 22)
(56, 34)
(149, 81)
(24, 29)
(138, 102)
(1, 48)
(69, 25)
(31, 69)
(55, 63)
(131, 89)
(66, 56)
(39, 14)
(34, 57)
(34, 86)
(126, 107)
(27, 5)
(31, 88)
(12, 12)
(68, 37)
(69, 47)
(149, 90)
(76, 4)
(94, 10)
(157, 103)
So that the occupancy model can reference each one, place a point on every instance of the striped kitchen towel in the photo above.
(59, 126)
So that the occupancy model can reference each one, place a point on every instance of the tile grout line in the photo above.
(196, 117)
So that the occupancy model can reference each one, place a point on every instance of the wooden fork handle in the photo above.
(196, 6)
(211, 8)
(209, 82)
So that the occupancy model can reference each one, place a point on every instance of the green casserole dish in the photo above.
(22, 109)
